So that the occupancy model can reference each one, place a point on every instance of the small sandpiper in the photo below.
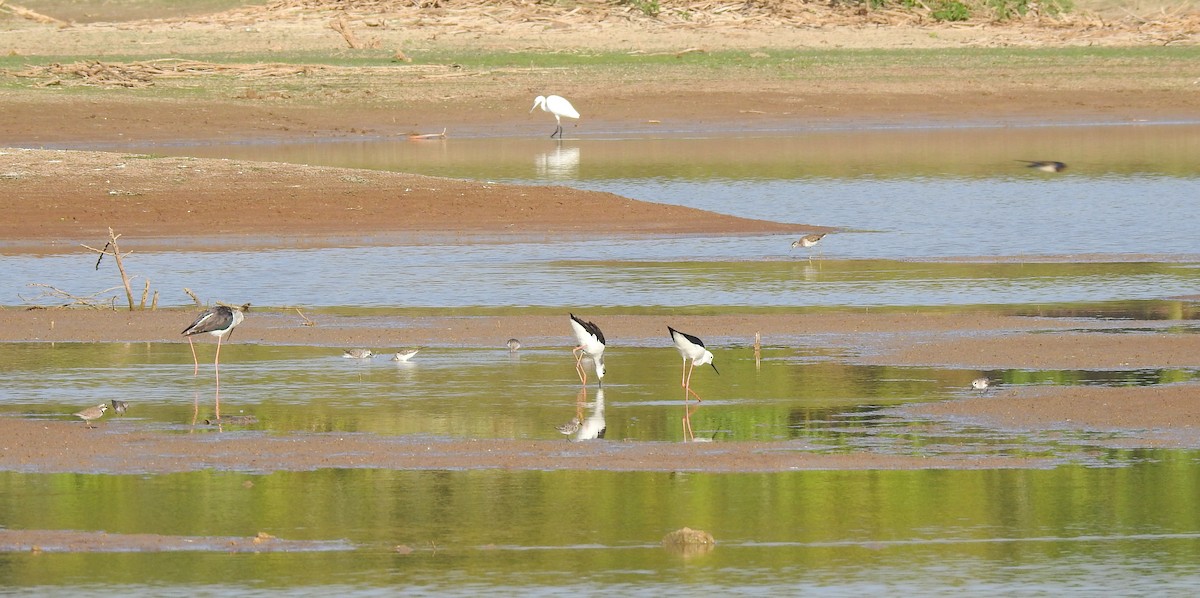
(119, 407)
(981, 384)
(1045, 165)
(357, 354)
(808, 242)
(405, 355)
(513, 344)
(570, 427)
(91, 413)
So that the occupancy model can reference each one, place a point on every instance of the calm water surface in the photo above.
(899, 195)
(941, 217)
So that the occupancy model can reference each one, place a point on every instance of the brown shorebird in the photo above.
(981, 384)
(119, 407)
(91, 413)
(1045, 165)
(357, 354)
(808, 242)
(513, 344)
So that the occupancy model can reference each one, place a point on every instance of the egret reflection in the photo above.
(560, 163)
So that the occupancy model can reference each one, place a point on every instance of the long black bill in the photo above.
(715, 368)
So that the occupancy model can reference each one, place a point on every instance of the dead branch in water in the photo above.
(111, 248)
(72, 300)
(189, 292)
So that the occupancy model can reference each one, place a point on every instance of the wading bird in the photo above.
(692, 348)
(559, 107)
(808, 242)
(591, 343)
(405, 355)
(218, 321)
(982, 385)
(1045, 165)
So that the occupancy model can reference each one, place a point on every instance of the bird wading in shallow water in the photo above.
(808, 242)
(591, 343)
(982, 385)
(559, 107)
(1045, 165)
(405, 355)
(691, 347)
(358, 354)
(119, 407)
(513, 345)
(218, 321)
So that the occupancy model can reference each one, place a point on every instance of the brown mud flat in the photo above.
(60, 195)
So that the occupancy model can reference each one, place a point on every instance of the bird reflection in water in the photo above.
(560, 163)
(591, 427)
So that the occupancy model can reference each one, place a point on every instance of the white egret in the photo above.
(559, 107)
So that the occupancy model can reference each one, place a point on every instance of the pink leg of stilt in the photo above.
(578, 352)
(217, 370)
(195, 362)
(687, 385)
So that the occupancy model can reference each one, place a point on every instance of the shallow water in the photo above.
(1071, 530)
(912, 201)
(900, 195)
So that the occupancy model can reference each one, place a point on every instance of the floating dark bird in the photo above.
(1045, 165)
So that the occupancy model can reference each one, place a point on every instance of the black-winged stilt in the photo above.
(691, 347)
(591, 343)
(559, 107)
(1045, 165)
(218, 321)
(91, 413)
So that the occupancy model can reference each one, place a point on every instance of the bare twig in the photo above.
(307, 322)
(23, 12)
(189, 292)
(342, 27)
(90, 301)
(111, 248)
